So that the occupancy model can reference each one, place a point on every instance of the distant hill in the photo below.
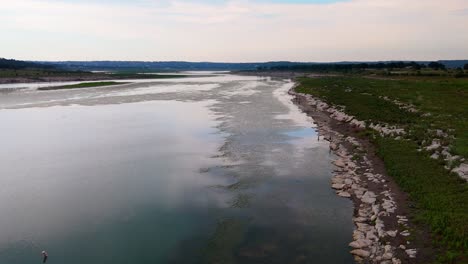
(454, 63)
(161, 65)
(203, 66)
(17, 64)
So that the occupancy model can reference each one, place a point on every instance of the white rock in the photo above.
(405, 233)
(358, 123)
(358, 235)
(370, 194)
(462, 171)
(348, 181)
(387, 256)
(360, 219)
(435, 145)
(322, 106)
(344, 194)
(361, 243)
(369, 200)
(388, 249)
(375, 209)
(339, 163)
(340, 116)
(363, 227)
(338, 186)
(351, 164)
(371, 235)
(337, 179)
(411, 253)
(361, 253)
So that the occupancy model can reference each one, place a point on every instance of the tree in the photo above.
(465, 67)
(436, 65)
(415, 65)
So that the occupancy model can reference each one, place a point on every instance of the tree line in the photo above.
(17, 65)
(355, 66)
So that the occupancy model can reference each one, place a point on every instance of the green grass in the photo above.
(441, 197)
(81, 85)
(444, 98)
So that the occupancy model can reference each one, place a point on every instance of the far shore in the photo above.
(52, 79)
(84, 77)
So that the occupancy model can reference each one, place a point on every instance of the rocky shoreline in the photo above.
(383, 232)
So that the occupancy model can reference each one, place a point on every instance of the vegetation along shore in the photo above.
(81, 85)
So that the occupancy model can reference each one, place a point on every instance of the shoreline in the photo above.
(82, 85)
(44, 79)
(89, 77)
(383, 231)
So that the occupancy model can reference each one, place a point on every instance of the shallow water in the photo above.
(221, 169)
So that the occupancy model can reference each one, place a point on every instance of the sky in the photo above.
(234, 31)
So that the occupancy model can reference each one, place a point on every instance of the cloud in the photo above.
(234, 30)
(461, 12)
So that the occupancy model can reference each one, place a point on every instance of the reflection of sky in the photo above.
(27, 96)
(304, 135)
(63, 167)
(300, 133)
(246, 88)
(213, 79)
(294, 112)
(173, 88)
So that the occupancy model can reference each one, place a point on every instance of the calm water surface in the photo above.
(221, 169)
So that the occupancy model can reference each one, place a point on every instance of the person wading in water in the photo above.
(44, 256)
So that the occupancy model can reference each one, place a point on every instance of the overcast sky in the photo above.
(234, 31)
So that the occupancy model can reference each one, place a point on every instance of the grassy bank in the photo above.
(440, 196)
(81, 85)
(444, 99)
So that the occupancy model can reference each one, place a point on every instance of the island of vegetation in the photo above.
(81, 85)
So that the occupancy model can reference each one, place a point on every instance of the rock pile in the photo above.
(351, 179)
(438, 149)
(370, 234)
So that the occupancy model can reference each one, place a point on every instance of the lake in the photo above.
(213, 169)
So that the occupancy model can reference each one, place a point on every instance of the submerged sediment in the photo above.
(382, 229)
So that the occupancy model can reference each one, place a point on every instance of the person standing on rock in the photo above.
(44, 256)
